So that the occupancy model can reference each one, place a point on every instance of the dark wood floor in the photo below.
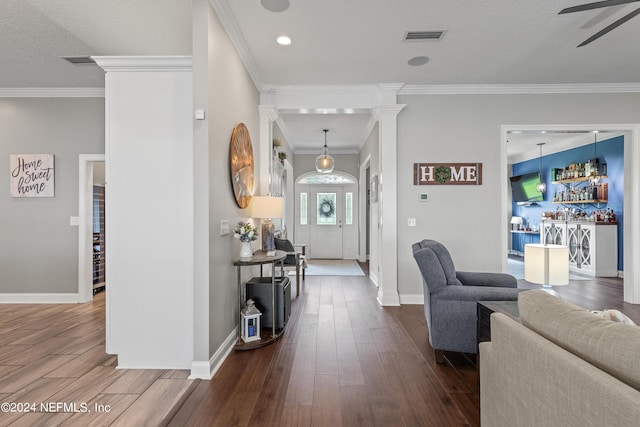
(343, 361)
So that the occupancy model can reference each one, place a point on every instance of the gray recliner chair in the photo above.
(450, 298)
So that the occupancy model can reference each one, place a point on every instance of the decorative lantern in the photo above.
(250, 322)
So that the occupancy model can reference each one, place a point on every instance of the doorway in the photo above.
(327, 215)
(631, 187)
(91, 174)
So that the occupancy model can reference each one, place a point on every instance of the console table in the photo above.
(259, 258)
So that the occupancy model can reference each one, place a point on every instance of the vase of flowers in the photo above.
(246, 233)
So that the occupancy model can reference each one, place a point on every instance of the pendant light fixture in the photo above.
(594, 178)
(541, 187)
(324, 162)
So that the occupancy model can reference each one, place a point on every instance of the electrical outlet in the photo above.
(411, 222)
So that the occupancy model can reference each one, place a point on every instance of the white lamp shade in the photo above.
(546, 264)
(267, 207)
(516, 220)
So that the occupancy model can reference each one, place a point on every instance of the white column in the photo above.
(150, 221)
(388, 204)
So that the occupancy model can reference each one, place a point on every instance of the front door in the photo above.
(326, 215)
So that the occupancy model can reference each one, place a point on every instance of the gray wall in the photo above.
(38, 247)
(225, 90)
(466, 128)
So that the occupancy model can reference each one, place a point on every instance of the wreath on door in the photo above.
(326, 208)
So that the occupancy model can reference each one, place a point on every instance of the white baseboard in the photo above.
(39, 298)
(411, 299)
(621, 274)
(388, 299)
(206, 370)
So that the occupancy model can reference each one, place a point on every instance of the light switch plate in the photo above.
(224, 227)
(74, 221)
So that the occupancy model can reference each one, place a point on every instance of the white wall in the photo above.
(466, 128)
(149, 176)
(38, 247)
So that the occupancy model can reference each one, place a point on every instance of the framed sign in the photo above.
(447, 173)
(32, 175)
(241, 165)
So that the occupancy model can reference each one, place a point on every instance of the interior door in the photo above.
(326, 220)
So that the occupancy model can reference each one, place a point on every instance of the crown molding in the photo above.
(144, 63)
(331, 151)
(52, 92)
(230, 25)
(498, 89)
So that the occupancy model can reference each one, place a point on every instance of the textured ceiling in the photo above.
(338, 42)
(486, 42)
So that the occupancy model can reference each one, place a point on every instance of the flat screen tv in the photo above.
(524, 188)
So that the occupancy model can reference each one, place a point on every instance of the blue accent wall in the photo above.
(610, 151)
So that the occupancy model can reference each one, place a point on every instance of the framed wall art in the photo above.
(31, 175)
(241, 165)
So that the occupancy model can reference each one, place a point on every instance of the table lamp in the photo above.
(517, 221)
(267, 208)
(547, 265)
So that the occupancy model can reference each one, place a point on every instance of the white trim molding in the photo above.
(144, 63)
(413, 299)
(501, 89)
(228, 21)
(52, 92)
(85, 229)
(39, 298)
(206, 370)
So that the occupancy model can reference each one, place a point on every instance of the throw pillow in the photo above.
(284, 245)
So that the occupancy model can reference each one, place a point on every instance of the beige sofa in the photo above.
(562, 366)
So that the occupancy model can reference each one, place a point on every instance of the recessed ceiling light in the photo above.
(416, 61)
(284, 40)
(275, 5)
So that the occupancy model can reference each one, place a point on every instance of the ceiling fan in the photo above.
(598, 5)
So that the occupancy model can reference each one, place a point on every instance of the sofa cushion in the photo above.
(611, 346)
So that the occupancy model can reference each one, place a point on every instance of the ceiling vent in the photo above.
(435, 35)
(79, 60)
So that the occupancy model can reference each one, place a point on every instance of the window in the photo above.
(303, 209)
(348, 208)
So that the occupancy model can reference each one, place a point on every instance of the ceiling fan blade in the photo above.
(596, 5)
(610, 27)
